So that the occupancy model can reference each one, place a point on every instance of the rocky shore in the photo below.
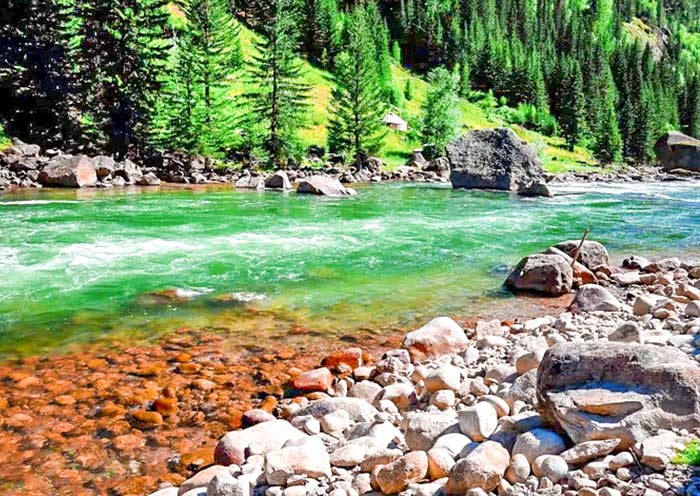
(597, 400)
(489, 159)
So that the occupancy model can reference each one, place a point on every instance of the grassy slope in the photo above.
(398, 146)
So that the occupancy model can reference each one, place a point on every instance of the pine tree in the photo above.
(321, 30)
(572, 104)
(122, 55)
(279, 100)
(607, 141)
(208, 53)
(440, 115)
(355, 127)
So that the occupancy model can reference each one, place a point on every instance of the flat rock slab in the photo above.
(608, 390)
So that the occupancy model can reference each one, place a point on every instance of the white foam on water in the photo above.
(248, 296)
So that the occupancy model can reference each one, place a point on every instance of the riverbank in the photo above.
(125, 419)
(598, 400)
(71, 425)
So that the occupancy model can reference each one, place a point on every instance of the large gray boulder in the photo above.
(545, 274)
(496, 159)
(71, 171)
(592, 253)
(678, 151)
(324, 185)
(598, 390)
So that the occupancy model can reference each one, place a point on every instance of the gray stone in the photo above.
(298, 457)
(675, 150)
(592, 253)
(607, 390)
(546, 274)
(494, 159)
(278, 180)
(359, 410)
(595, 298)
(538, 442)
(422, 429)
(323, 185)
(69, 171)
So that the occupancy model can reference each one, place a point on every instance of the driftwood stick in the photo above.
(580, 245)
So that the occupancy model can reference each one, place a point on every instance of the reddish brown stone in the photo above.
(313, 380)
(141, 419)
(349, 356)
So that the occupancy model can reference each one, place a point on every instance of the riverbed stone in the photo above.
(440, 462)
(545, 274)
(478, 422)
(278, 180)
(202, 478)
(595, 298)
(589, 451)
(298, 457)
(592, 253)
(608, 390)
(518, 470)
(445, 377)
(422, 429)
(319, 379)
(483, 468)
(495, 159)
(359, 410)
(224, 484)
(397, 475)
(259, 439)
(554, 468)
(538, 442)
(440, 336)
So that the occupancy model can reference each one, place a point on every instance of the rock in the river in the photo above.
(598, 390)
(323, 185)
(546, 274)
(72, 171)
(589, 451)
(592, 253)
(678, 151)
(483, 468)
(278, 180)
(251, 182)
(495, 159)
(595, 298)
(440, 336)
(259, 439)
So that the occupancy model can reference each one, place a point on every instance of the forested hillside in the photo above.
(270, 78)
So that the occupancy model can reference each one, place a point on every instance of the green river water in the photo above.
(75, 264)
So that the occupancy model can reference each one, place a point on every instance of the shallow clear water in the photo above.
(74, 263)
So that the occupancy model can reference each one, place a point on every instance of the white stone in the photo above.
(443, 399)
(538, 442)
(335, 422)
(304, 457)
(479, 421)
(446, 377)
(440, 462)
(518, 469)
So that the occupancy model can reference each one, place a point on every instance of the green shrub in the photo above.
(690, 455)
